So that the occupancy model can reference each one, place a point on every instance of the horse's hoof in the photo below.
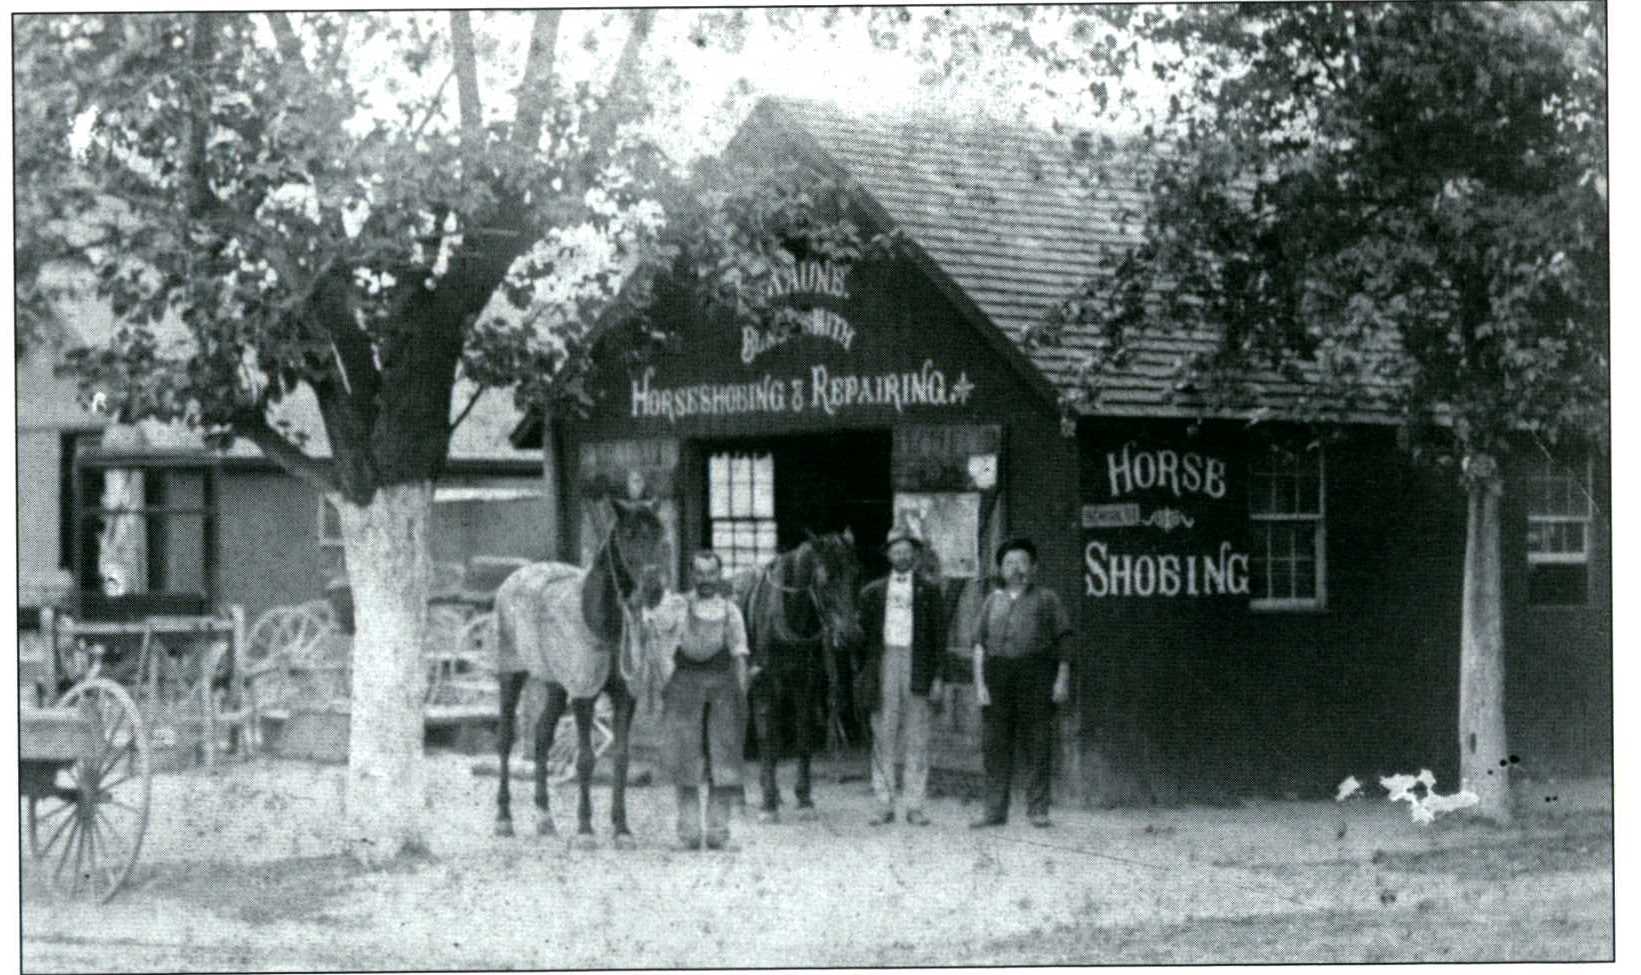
(768, 816)
(504, 827)
(624, 841)
(584, 841)
(545, 827)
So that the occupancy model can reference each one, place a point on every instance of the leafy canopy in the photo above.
(262, 213)
(1403, 205)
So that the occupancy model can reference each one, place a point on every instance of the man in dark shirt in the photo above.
(1022, 668)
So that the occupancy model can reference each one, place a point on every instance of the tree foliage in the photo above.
(1402, 205)
(260, 215)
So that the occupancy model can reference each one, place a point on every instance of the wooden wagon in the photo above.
(84, 768)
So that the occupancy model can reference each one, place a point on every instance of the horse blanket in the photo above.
(540, 629)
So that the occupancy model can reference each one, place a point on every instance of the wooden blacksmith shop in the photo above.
(1260, 610)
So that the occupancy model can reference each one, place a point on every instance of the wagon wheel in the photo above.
(285, 628)
(561, 757)
(94, 825)
(441, 646)
(471, 677)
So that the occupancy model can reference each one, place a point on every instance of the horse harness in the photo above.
(782, 633)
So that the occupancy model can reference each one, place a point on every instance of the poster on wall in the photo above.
(1162, 520)
(950, 525)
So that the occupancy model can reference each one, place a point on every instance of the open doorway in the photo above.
(766, 496)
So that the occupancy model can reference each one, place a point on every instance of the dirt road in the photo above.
(238, 874)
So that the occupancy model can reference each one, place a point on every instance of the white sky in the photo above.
(842, 66)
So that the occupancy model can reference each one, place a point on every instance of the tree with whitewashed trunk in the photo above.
(1400, 208)
(276, 201)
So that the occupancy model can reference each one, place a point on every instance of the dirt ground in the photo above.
(238, 873)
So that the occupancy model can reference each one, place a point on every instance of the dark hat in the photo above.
(1022, 544)
(902, 532)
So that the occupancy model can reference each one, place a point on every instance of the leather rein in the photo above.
(782, 632)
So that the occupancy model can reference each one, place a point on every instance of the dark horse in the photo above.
(571, 627)
(800, 610)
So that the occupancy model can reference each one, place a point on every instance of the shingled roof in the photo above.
(1010, 216)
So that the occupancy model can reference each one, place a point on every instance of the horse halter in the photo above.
(815, 600)
(629, 661)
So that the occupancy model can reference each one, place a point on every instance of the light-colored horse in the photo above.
(573, 628)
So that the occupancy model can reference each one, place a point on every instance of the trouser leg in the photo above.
(1036, 709)
(915, 732)
(997, 721)
(689, 816)
(886, 729)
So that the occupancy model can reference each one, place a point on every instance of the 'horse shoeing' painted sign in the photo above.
(1161, 521)
(821, 392)
(852, 345)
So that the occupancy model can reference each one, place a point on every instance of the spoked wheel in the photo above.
(90, 830)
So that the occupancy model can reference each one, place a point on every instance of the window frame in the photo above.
(760, 525)
(1549, 468)
(1294, 604)
(156, 516)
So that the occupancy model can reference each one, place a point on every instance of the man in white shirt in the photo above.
(903, 617)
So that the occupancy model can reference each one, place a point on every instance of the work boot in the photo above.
(719, 803)
(689, 817)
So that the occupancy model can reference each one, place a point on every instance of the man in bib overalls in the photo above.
(709, 677)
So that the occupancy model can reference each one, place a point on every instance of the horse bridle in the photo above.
(629, 621)
(768, 576)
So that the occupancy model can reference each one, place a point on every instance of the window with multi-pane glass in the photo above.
(1559, 517)
(741, 509)
(1287, 524)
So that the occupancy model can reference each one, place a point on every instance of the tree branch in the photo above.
(467, 79)
(433, 105)
(472, 402)
(537, 85)
(202, 50)
(623, 81)
(253, 425)
(290, 46)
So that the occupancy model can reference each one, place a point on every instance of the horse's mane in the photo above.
(602, 592)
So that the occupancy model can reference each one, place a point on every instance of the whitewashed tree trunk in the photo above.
(391, 570)
(1484, 765)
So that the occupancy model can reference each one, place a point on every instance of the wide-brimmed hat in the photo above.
(902, 533)
(1021, 544)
